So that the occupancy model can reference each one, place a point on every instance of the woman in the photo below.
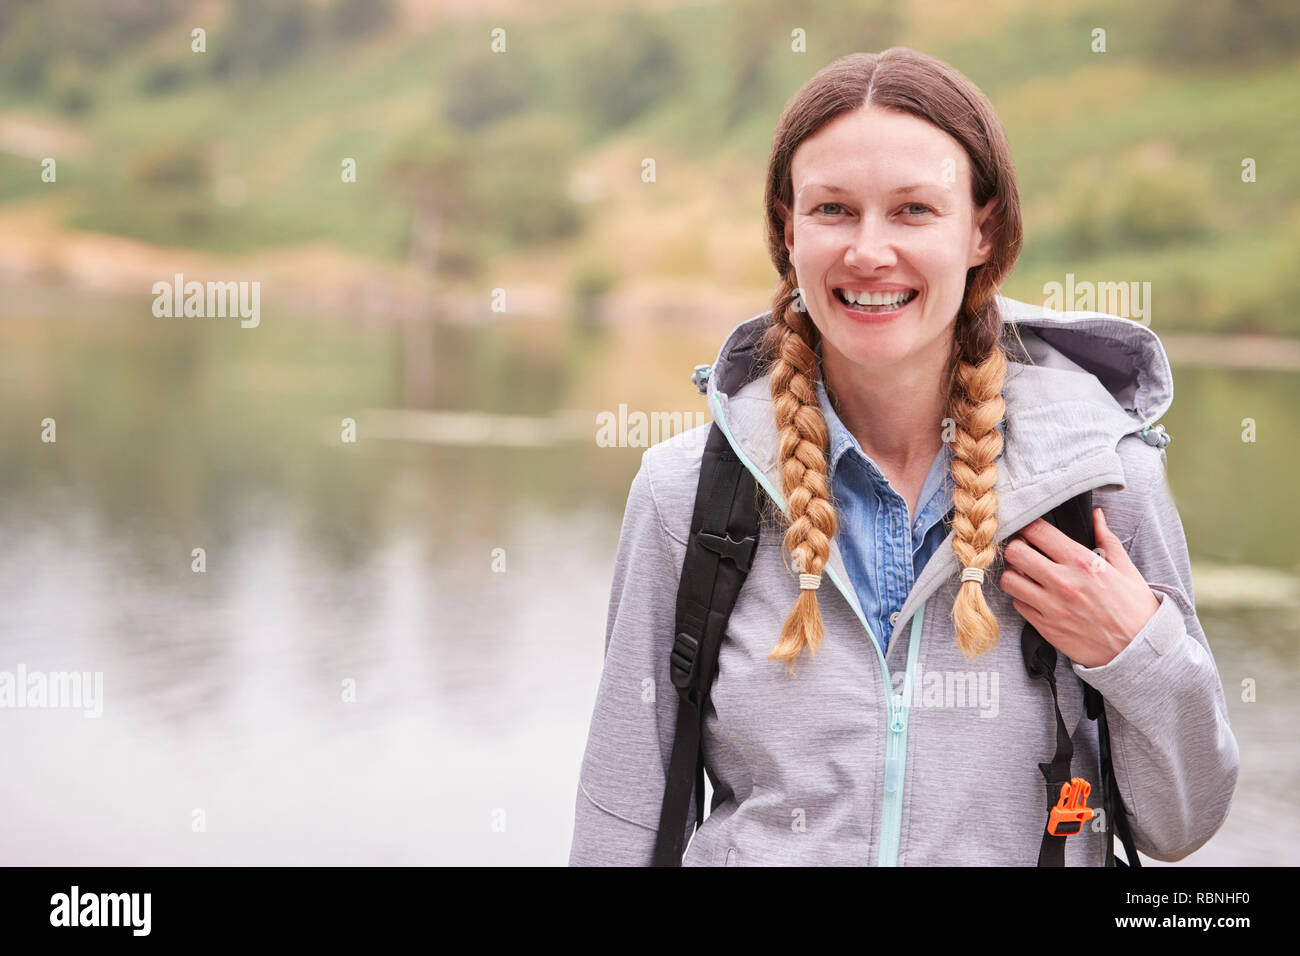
(907, 421)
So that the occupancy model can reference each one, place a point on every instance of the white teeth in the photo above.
(874, 298)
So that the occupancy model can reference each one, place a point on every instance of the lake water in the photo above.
(375, 565)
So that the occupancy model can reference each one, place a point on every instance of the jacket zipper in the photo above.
(897, 705)
(896, 751)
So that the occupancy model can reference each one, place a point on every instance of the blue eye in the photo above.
(922, 207)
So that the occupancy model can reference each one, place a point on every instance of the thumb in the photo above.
(1106, 539)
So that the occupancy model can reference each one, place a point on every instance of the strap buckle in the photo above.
(682, 666)
(740, 552)
(1071, 811)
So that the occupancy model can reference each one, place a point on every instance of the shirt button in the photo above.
(893, 619)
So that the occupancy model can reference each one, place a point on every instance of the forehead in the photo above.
(878, 150)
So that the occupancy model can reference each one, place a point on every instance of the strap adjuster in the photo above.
(682, 660)
(1071, 811)
(740, 552)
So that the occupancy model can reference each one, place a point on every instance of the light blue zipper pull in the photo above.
(897, 724)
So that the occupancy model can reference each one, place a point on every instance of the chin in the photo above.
(873, 360)
(873, 348)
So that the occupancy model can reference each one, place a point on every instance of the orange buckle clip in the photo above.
(1071, 811)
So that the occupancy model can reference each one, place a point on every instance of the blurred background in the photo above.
(458, 251)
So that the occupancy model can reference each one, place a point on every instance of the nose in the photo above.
(872, 246)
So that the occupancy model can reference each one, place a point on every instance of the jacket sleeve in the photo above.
(624, 769)
(1175, 756)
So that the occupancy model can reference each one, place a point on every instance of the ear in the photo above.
(986, 227)
(784, 212)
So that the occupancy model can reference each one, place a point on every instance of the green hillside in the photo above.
(1130, 160)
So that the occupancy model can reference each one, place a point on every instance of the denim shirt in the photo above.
(882, 555)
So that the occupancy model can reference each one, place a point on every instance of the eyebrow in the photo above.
(898, 190)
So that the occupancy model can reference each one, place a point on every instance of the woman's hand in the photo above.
(1087, 606)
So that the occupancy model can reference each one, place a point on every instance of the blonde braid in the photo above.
(976, 407)
(804, 440)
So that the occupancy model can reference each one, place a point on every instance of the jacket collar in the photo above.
(1083, 381)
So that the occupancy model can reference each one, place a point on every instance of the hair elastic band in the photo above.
(973, 574)
(810, 582)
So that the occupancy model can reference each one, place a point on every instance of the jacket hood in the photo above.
(1082, 382)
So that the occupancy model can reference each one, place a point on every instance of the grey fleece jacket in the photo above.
(920, 756)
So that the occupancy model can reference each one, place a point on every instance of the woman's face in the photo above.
(882, 204)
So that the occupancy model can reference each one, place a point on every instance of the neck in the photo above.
(895, 413)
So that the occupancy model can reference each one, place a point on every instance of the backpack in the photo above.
(723, 541)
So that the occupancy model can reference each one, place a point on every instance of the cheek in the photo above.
(817, 250)
(937, 259)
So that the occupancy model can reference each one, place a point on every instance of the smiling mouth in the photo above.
(877, 301)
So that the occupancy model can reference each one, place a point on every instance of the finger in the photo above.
(1027, 611)
(1050, 540)
(1031, 563)
(1025, 589)
(1112, 547)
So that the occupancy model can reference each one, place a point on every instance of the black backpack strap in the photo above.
(1112, 802)
(1040, 662)
(1074, 518)
(724, 538)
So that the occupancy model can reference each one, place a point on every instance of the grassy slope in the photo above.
(1077, 120)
